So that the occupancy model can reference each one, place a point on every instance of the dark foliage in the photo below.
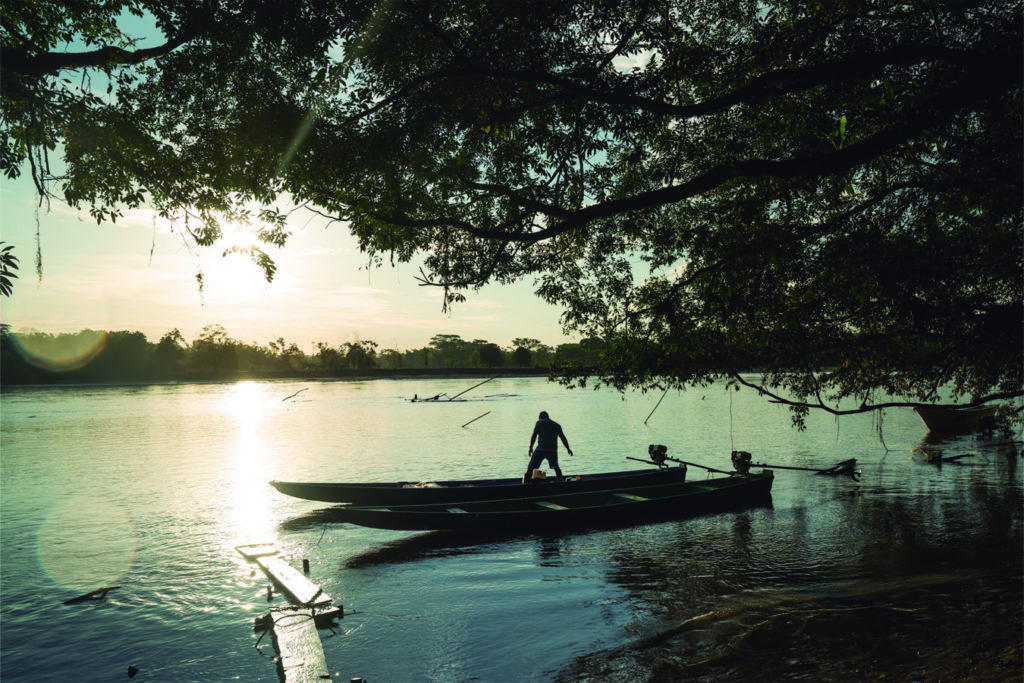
(827, 192)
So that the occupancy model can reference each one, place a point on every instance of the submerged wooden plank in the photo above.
(300, 652)
(300, 589)
(296, 640)
(254, 550)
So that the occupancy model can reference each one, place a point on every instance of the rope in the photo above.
(732, 441)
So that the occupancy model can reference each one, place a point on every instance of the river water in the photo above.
(913, 572)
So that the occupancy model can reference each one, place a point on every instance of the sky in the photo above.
(138, 275)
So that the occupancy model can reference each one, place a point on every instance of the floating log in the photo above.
(845, 468)
(935, 455)
(98, 594)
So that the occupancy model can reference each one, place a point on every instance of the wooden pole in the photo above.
(294, 395)
(475, 419)
(472, 387)
(657, 404)
(703, 467)
(648, 462)
(787, 467)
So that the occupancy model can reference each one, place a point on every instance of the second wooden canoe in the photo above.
(453, 491)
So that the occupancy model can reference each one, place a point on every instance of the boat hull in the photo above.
(623, 507)
(409, 493)
(954, 419)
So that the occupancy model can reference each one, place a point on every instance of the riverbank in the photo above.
(934, 628)
(41, 377)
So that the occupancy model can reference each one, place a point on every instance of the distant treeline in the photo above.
(90, 356)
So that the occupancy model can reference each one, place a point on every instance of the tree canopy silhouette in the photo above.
(829, 193)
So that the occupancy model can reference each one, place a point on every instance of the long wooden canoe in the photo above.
(953, 419)
(455, 491)
(572, 510)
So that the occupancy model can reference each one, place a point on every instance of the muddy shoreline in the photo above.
(936, 629)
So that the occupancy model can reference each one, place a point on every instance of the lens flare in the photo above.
(62, 352)
(86, 544)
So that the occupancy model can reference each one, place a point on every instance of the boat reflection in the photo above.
(435, 544)
(430, 545)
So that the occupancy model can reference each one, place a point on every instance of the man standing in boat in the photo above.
(546, 434)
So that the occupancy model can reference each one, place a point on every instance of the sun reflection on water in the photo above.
(248, 518)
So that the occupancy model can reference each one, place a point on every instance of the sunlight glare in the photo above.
(248, 403)
(229, 272)
(238, 236)
(232, 280)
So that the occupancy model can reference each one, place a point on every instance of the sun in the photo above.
(238, 237)
(232, 280)
(234, 267)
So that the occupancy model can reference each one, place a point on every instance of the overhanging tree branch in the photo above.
(774, 83)
(952, 99)
(867, 408)
(20, 62)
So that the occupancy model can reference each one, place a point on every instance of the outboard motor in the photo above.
(657, 453)
(741, 461)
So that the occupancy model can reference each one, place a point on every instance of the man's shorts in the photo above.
(539, 456)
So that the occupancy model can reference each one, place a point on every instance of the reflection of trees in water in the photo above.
(737, 596)
(549, 541)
